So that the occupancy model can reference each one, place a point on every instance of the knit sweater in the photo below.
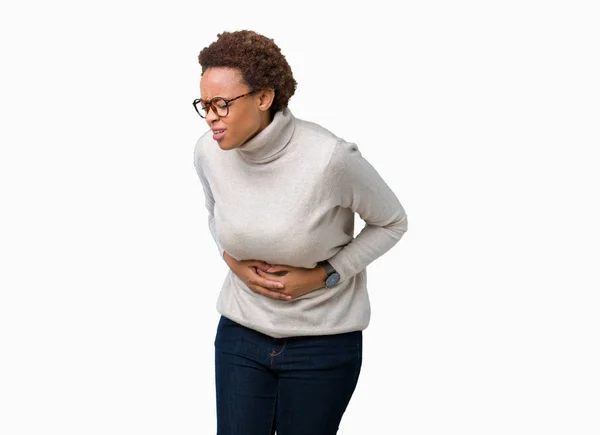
(288, 196)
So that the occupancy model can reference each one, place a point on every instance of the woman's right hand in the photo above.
(246, 271)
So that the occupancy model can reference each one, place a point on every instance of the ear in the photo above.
(265, 99)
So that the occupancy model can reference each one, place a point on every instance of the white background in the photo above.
(483, 117)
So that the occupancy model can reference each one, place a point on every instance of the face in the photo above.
(247, 115)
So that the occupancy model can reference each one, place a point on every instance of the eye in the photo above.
(220, 103)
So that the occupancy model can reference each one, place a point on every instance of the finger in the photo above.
(279, 268)
(268, 281)
(269, 293)
(258, 264)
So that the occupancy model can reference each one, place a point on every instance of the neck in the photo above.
(265, 120)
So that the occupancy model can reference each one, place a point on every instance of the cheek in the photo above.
(243, 128)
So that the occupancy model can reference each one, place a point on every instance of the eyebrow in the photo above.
(216, 96)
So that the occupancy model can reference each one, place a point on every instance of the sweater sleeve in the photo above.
(209, 199)
(356, 185)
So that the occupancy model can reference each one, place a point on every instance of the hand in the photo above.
(248, 271)
(297, 281)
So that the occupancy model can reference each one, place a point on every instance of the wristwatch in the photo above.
(332, 276)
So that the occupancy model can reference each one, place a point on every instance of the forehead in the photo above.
(221, 82)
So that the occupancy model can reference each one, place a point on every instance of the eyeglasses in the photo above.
(219, 105)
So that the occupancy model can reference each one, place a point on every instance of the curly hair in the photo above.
(258, 58)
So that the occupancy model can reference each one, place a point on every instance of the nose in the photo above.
(211, 116)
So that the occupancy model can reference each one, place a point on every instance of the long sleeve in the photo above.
(356, 185)
(209, 200)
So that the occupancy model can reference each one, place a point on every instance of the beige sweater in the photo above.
(288, 196)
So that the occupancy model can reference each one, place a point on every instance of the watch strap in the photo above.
(328, 267)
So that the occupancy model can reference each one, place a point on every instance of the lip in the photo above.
(218, 136)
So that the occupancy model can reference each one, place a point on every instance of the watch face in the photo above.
(332, 279)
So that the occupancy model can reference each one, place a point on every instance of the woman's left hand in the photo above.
(297, 281)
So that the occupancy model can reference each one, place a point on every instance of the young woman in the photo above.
(281, 194)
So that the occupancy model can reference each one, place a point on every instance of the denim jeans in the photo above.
(294, 385)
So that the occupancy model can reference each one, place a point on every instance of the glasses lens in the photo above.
(220, 105)
(200, 108)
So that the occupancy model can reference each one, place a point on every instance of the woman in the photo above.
(281, 194)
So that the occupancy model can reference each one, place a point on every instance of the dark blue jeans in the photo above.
(295, 385)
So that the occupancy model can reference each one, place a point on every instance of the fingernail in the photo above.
(280, 286)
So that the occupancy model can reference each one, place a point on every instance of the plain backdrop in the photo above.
(483, 117)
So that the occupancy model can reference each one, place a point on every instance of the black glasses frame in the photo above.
(205, 105)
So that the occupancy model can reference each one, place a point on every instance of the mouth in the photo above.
(218, 134)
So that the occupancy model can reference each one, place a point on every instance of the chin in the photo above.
(225, 145)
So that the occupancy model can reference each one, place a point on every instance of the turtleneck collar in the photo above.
(268, 144)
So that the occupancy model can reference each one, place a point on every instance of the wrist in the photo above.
(320, 276)
(332, 277)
